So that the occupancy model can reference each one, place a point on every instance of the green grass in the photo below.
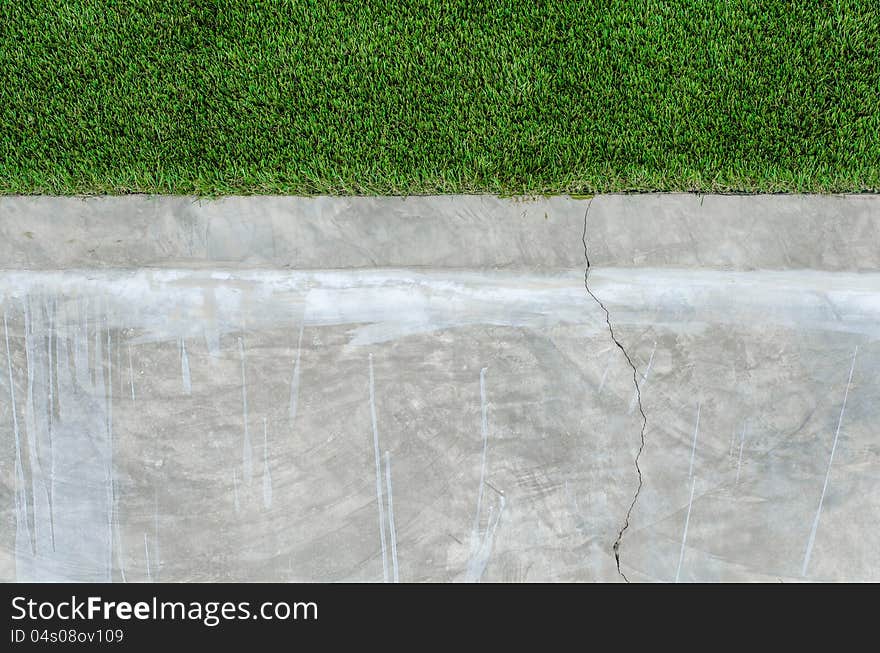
(438, 96)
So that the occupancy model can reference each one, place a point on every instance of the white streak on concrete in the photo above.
(119, 551)
(742, 441)
(684, 533)
(73, 508)
(235, 491)
(294, 381)
(391, 528)
(114, 499)
(480, 560)
(650, 363)
(147, 559)
(481, 544)
(119, 364)
(576, 513)
(110, 394)
(247, 452)
(22, 526)
(375, 300)
(605, 373)
(41, 409)
(81, 348)
(36, 427)
(378, 474)
(131, 373)
(29, 417)
(99, 391)
(694, 446)
(815, 527)
(51, 338)
(484, 432)
(267, 477)
(184, 368)
(157, 557)
(111, 486)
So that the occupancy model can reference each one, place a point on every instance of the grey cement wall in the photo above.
(421, 389)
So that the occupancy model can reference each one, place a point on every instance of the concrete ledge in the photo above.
(654, 230)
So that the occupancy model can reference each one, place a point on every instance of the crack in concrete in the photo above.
(625, 526)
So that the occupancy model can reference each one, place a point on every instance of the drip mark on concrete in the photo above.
(130, 373)
(267, 477)
(635, 376)
(235, 491)
(481, 544)
(605, 373)
(694, 445)
(157, 557)
(391, 529)
(40, 499)
(484, 432)
(247, 452)
(22, 527)
(184, 368)
(815, 527)
(111, 513)
(294, 381)
(114, 510)
(378, 475)
(742, 442)
(684, 534)
(147, 559)
(50, 339)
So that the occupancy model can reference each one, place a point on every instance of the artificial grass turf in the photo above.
(438, 96)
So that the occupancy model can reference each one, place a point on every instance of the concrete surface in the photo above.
(421, 389)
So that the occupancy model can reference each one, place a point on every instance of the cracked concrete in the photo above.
(616, 546)
(420, 389)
